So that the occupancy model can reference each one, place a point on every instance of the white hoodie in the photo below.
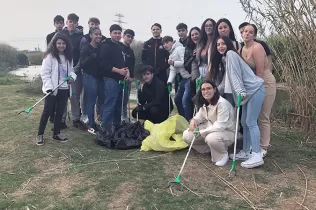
(177, 55)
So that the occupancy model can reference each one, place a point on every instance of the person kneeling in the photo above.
(153, 98)
(216, 123)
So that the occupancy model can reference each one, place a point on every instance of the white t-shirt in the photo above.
(63, 72)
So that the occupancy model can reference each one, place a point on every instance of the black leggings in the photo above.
(51, 102)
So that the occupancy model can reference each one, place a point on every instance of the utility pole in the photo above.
(119, 19)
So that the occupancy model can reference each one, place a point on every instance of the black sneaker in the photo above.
(78, 124)
(39, 140)
(60, 138)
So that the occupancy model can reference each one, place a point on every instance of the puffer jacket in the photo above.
(177, 55)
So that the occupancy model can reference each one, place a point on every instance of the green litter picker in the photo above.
(178, 178)
(28, 110)
(233, 169)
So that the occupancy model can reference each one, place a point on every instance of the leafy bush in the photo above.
(8, 59)
(35, 57)
(137, 46)
(22, 59)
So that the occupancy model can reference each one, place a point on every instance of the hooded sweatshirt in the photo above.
(89, 60)
(177, 55)
(129, 59)
(111, 55)
(75, 39)
(155, 55)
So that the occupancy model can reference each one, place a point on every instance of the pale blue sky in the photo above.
(28, 22)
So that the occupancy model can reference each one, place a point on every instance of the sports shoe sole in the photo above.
(39, 144)
(252, 165)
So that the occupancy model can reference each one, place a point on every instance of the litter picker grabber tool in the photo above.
(197, 87)
(233, 169)
(137, 85)
(28, 110)
(178, 178)
(169, 91)
(128, 103)
(123, 83)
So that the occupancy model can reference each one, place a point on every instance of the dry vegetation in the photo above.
(289, 27)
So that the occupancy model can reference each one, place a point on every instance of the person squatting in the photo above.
(207, 66)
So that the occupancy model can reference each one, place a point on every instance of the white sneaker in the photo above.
(241, 155)
(263, 152)
(255, 160)
(223, 161)
(92, 131)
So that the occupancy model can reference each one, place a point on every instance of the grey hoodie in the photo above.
(241, 77)
(177, 55)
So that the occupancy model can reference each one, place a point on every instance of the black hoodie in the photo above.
(111, 55)
(155, 55)
(129, 59)
(75, 39)
(89, 60)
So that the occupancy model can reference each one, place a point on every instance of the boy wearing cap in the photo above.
(128, 38)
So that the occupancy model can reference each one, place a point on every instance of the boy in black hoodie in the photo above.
(113, 68)
(59, 23)
(130, 64)
(153, 98)
(155, 55)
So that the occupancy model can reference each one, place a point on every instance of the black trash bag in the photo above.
(124, 136)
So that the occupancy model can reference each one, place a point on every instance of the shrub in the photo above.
(293, 41)
(137, 46)
(35, 57)
(22, 59)
(8, 59)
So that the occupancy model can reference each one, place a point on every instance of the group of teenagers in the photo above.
(207, 67)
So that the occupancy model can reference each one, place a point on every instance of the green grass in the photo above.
(73, 176)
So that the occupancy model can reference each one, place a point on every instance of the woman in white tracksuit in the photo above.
(56, 67)
(176, 62)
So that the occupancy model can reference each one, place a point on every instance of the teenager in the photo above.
(128, 38)
(155, 55)
(240, 79)
(264, 45)
(203, 52)
(86, 40)
(92, 78)
(216, 123)
(176, 62)
(255, 56)
(56, 67)
(153, 98)
(59, 23)
(114, 69)
(190, 54)
(75, 35)
(182, 30)
(224, 28)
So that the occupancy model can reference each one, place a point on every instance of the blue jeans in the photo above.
(183, 99)
(92, 87)
(127, 93)
(112, 106)
(249, 121)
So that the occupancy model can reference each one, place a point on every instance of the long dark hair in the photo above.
(191, 45)
(202, 101)
(231, 33)
(52, 49)
(203, 34)
(216, 58)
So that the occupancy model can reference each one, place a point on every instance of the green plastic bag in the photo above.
(166, 136)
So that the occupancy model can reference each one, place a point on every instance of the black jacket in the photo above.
(188, 59)
(155, 55)
(75, 39)
(49, 37)
(155, 94)
(184, 42)
(111, 55)
(129, 59)
(89, 60)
